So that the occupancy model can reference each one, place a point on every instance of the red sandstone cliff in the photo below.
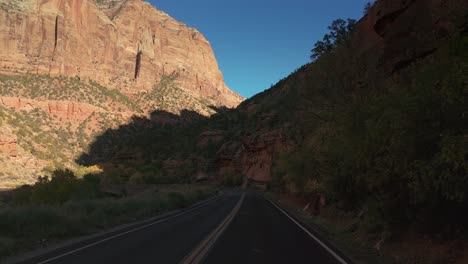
(124, 44)
(400, 32)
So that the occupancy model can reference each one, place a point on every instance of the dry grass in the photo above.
(33, 226)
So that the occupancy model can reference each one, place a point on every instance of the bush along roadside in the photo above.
(65, 206)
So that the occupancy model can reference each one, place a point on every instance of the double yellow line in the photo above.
(199, 253)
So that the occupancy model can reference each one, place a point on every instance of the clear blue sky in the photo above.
(258, 42)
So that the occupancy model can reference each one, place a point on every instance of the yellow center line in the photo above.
(199, 253)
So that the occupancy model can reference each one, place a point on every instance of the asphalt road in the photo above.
(260, 233)
(233, 228)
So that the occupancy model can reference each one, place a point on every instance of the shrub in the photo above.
(177, 200)
(22, 195)
(340, 35)
(233, 179)
(61, 187)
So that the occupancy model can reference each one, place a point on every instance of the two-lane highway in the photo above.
(237, 227)
(261, 233)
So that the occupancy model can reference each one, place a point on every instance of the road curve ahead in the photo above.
(235, 228)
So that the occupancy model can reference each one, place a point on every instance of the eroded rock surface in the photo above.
(127, 45)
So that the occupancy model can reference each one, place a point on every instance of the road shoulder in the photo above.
(338, 236)
(311, 229)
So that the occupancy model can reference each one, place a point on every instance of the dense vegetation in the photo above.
(394, 150)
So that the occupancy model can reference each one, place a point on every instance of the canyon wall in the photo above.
(125, 44)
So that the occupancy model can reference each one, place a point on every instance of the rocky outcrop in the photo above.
(8, 144)
(126, 44)
(61, 109)
(401, 32)
(260, 152)
(209, 137)
(253, 156)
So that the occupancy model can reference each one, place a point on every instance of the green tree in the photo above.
(340, 34)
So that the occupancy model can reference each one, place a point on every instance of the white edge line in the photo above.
(341, 260)
(124, 233)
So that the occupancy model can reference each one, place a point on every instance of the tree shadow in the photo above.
(161, 145)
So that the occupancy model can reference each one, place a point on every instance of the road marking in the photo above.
(127, 232)
(198, 254)
(337, 257)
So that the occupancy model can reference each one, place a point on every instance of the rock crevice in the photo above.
(56, 32)
(137, 63)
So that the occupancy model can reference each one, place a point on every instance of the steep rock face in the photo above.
(260, 153)
(401, 32)
(252, 156)
(127, 45)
